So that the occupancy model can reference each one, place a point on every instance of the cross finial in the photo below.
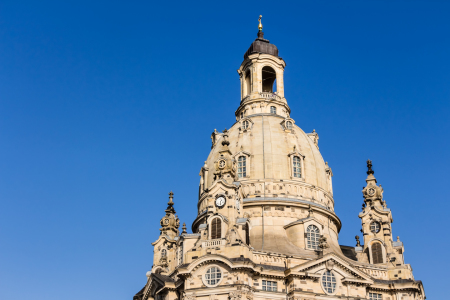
(260, 25)
(369, 167)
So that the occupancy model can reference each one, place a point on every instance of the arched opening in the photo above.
(268, 79)
(377, 253)
(216, 228)
(312, 237)
(247, 84)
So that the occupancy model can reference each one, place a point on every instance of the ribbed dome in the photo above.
(269, 146)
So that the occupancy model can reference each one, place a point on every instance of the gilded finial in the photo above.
(260, 25)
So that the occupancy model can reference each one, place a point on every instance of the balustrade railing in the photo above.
(268, 95)
(213, 243)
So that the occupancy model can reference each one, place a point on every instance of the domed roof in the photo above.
(269, 146)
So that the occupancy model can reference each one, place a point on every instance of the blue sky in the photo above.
(106, 106)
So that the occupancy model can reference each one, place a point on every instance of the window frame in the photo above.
(218, 230)
(217, 281)
(375, 224)
(302, 165)
(242, 173)
(316, 237)
(274, 108)
(377, 296)
(329, 273)
(273, 286)
(163, 253)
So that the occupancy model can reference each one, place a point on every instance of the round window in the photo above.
(329, 282)
(375, 227)
(213, 276)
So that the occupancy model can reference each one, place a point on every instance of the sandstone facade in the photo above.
(266, 226)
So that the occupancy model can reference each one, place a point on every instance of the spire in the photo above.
(170, 210)
(170, 222)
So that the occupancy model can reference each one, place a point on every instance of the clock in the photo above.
(222, 164)
(371, 192)
(220, 201)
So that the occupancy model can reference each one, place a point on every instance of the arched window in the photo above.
(297, 167)
(289, 125)
(248, 86)
(273, 110)
(245, 124)
(268, 78)
(312, 237)
(377, 253)
(242, 167)
(216, 228)
(247, 234)
(163, 253)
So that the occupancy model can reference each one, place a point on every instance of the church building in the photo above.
(266, 226)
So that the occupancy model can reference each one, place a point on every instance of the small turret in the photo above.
(170, 222)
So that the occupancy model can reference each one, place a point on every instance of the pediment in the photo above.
(221, 187)
(331, 262)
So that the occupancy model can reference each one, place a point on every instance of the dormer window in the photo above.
(312, 237)
(246, 124)
(289, 125)
(273, 110)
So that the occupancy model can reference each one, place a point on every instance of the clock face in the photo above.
(220, 201)
(222, 164)
(371, 191)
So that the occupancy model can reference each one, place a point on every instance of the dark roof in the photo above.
(349, 252)
(163, 278)
(139, 294)
(271, 267)
(397, 281)
(261, 45)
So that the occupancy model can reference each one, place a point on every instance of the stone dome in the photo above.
(269, 146)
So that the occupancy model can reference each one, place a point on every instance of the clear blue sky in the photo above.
(106, 106)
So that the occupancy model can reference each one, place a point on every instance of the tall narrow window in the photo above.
(377, 253)
(242, 167)
(297, 167)
(163, 253)
(247, 83)
(247, 234)
(216, 228)
(273, 110)
(312, 237)
(246, 124)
